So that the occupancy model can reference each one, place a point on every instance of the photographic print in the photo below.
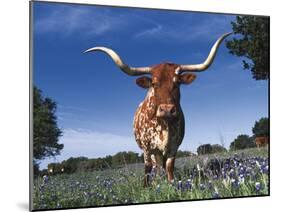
(136, 106)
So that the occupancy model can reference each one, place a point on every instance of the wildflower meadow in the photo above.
(234, 174)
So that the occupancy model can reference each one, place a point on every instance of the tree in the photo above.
(210, 149)
(253, 44)
(45, 130)
(204, 149)
(181, 153)
(242, 142)
(216, 148)
(261, 127)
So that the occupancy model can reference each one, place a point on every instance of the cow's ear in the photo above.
(144, 82)
(187, 78)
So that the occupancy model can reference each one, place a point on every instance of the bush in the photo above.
(216, 148)
(181, 153)
(242, 142)
(204, 149)
(261, 127)
(209, 149)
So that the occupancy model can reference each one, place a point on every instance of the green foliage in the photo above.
(204, 149)
(83, 164)
(216, 148)
(45, 130)
(242, 142)
(181, 153)
(253, 44)
(261, 127)
(209, 149)
(36, 170)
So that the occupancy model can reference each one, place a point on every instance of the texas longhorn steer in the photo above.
(159, 120)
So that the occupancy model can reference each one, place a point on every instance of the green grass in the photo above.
(125, 185)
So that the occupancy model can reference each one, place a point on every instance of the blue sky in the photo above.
(96, 101)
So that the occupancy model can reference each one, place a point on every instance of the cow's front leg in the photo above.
(147, 169)
(158, 164)
(170, 163)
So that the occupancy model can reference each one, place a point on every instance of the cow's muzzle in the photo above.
(166, 111)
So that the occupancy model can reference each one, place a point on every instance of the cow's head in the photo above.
(164, 80)
(164, 88)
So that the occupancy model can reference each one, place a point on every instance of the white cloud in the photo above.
(187, 30)
(92, 144)
(68, 20)
(92, 21)
(149, 32)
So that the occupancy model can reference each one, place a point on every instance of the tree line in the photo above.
(243, 141)
(84, 164)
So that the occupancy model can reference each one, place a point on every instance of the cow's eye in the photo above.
(155, 84)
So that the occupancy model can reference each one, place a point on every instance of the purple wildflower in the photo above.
(216, 194)
(258, 186)
(188, 184)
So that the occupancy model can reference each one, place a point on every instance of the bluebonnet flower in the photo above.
(241, 178)
(202, 186)
(198, 167)
(82, 186)
(248, 171)
(258, 164)
(210, 185)
(231, 173)
(53, 197)
(188, 184)
(264, 168)
(216, 194)
(258, 186)
(223, 174)
(179, 186)
(42, 187)
(226, 165)
(45, 179)
(86, 194)
(153, 172)
(242, 170)
(215, 177)
(158, 188)
(235, 183)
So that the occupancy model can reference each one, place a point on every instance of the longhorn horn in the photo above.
(132, 71)
(208, 62)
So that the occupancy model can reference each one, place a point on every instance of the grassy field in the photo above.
(235, 174)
